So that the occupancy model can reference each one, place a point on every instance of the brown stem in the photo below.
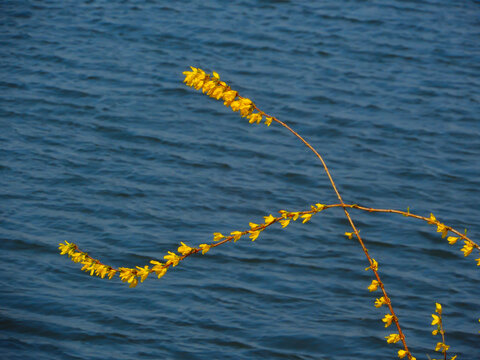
(400, 332)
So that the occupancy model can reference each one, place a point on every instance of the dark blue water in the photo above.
(102, 145)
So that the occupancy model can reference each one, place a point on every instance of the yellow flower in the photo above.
(453, 357)
(101, 271)
(205, 248)
(349, 234)
(111, 273)
(254, 235)
(320, 207)
(295, 215)
(190, 76)
(79, 257)
(478, 261)
(432, 219)
(374, 265)
(256, 117)
(217, 236)
(435, 320)
(143, 272)
(306, 217)
(217, 92)
(392, 338)
(228, 97)
(128, 275)
(133, 282)
(269, 219)
(268, 120)
(452, 240)
(441, 228)
(236, 235)
(402, 354)
(172, 259)
(235, 105)
(286, 222)
(208, 87)
(64, 247)
(373, 286)
(438, 308)
(388, 320)
(246, 107)
(159, 268)
(184, 249)
(442, 347)
(89, 265)
(435, 332)
(380, 302)
(467, 248)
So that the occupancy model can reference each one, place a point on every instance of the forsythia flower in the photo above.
(111, 273)
(252, 225)
(269, 219)
(172, 259)
(143, 272)
(388, 320)
(435, 320)
(254, 235)
(101, 271)
(128, 275)
(392, 338)
(78, 257)
(452, 240)
(159, 268)
(432, 219)
(442, 347)
(236, 235)
(478, 261)
(435, 332)
(213, 87)
(438, 308)
(373, 286)
(257, 117)
(380, 302)
(441, 228)
(402, 354)
(306, 217)
(184, 249)
(217, 236)
(66, 248)
(205, 248)
(228, 97)
(285, 223)
(349, 234)
(294, 215)
(467, 248)
(374, 266)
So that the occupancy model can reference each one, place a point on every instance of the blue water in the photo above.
(102, 145)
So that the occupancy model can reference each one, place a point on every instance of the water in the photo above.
(102, 145)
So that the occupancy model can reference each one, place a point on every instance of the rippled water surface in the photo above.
(102, 145)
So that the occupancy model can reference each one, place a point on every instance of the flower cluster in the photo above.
(139, 274)
(437, 320)
(468, 245)
(389, 317)
(91, 265)
(211, 85)
(128, 275)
